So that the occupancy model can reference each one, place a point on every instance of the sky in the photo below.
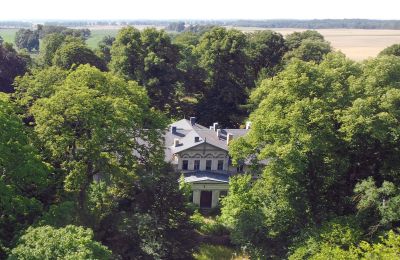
(197, 9)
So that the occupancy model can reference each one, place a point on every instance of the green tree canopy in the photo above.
(27, 39)
(295, 39)
(11, 65)
(73, 53)
(265, 50)
(70, 242)
(222, 55)
(23, 176)
(150, 58)
(391, 50)
(91, 125)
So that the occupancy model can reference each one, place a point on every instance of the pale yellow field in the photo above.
(357, 44)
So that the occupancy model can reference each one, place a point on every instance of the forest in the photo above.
(82, 171)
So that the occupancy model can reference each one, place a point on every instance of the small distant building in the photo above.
(201, 154)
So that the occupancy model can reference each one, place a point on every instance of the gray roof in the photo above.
(204, 176)
(186, 133)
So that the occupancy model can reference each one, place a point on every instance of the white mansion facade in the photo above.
(201, 154)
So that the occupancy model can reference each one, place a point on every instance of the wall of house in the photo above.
(216, 188)
(203, 152)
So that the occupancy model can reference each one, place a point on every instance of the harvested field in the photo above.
(357, 44)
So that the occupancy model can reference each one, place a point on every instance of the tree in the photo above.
(295, 39)
(294, 128)
(151, 59)
(50, 44)
(127, 54)
(1, 40)
(105, 48)
(70, 242)
(391, 50)
(23, 177)
(11, 65)
(265, 50)
(74, 53)
(221, 54)
(27, 39)
(91, 125)
(310, 50)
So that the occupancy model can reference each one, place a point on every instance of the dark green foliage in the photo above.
(150, 220)
(265, 50)
(11, 65)
(105, 48)
(307, 46)
(295, 39)
(76, 54)
(391, 50)
(150, 58)
(222, 55)
(27, 39)
(23, 177)
(323, 128)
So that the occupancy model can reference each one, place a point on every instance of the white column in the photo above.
(196, 197)
(215, 198)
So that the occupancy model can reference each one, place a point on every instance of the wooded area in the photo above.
(81, 148)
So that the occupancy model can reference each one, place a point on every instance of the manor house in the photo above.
(201, 154)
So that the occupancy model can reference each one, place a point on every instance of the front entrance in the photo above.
(205, 199)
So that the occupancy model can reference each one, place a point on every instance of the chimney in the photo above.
(218, 133)
(176, 142)
(173, 129)
(211, 128)
(192, 120)
(248, 125)
(196, 139)
(215, 126)
(229, 137)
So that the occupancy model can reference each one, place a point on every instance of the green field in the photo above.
(8, 35)
(98, 34)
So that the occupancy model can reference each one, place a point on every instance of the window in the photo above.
(196, 165)
(208, 165)
(220, 165)
(239, 168)
(185, 164)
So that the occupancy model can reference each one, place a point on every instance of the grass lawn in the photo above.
(8, 35)
(98, 34)
(216, 252)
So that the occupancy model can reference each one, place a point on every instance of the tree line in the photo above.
(81, 152)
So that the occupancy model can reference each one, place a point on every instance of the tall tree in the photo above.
(11, 65)
(295, 128)
(91, 125)
(151, 59)
(27, 39)
(23, 177)
(104, 48)
(222, 55)
(75, 53)
(265, 50)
